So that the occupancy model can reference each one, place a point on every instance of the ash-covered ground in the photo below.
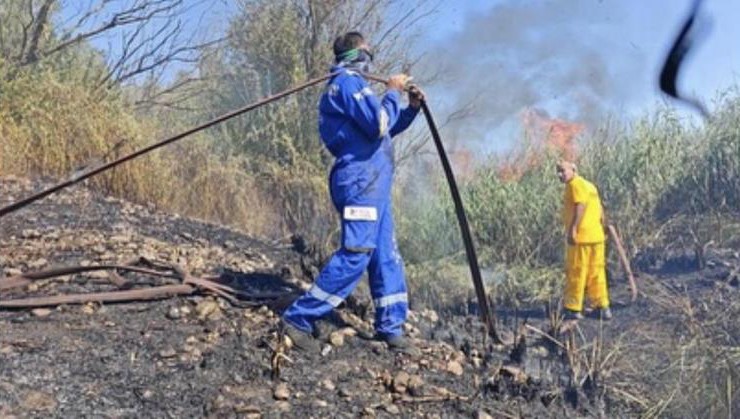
(198, 355)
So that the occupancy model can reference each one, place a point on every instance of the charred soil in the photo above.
(198, 355)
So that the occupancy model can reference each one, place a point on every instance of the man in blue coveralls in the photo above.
(357, 127)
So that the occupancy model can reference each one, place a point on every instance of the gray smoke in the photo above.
(571, 58)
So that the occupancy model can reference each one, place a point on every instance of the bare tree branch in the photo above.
(171, 56)
(147, 39)
(25, 30)
(141, 11)
(40, 22)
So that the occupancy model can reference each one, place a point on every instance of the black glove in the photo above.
(416, 96)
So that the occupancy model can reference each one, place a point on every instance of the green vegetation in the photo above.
(662, 182)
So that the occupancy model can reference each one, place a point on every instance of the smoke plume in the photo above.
(567, 58)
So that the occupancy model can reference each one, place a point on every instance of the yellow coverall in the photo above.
(585, 266)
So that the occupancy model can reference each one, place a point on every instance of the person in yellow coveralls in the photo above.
(585, 262)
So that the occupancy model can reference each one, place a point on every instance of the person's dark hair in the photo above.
(347, 42)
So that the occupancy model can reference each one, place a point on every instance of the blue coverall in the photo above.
(357, 126)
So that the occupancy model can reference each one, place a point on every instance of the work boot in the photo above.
(572, 315)
(402, 345)
(605, 314)
(302, 341)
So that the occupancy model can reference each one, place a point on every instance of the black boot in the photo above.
(301, 340)
(605, 314)
(572, 315)
(402, 345)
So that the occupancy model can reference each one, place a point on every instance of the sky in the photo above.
(579, 60)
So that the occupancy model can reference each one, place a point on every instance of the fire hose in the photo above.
(486, 314)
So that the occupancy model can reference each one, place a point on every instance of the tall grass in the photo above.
(51, 127)
(649, 172)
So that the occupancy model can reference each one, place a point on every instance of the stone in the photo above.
(458, 356)
(482, 414)
(281, 392)
(206, 308)
(38, 263)
(167, 353)
(88, 308)
(430, 315)
(40, 312)
(328, 384)
(411, 330)
(540, 351)
(247, 409)
(415, 385)
(97, 274)
(336, 339)
(455, 368)
(400, 382)
(174, 313)
(212, 337)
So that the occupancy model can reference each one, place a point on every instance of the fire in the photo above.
(557, 135)
(543, 136)
(463, 162)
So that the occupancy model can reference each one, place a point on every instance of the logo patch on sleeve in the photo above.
(361, 213)
(366, 91)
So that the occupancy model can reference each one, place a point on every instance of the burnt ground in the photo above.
(198, 356)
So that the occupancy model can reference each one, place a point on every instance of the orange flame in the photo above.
(463, 162)
(544, 135)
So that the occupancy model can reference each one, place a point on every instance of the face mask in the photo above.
(357, 59)
(365, 55)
